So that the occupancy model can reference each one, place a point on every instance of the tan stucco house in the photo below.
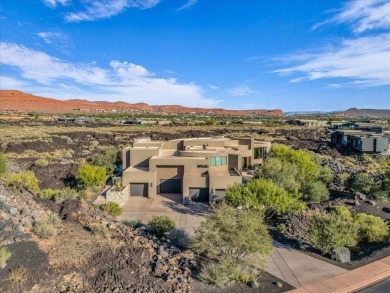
(198, 168)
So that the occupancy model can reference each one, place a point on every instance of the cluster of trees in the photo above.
(366, 183)
(95, 172)
(298, 172)
(339, 228)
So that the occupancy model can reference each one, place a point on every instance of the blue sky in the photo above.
(235, 54)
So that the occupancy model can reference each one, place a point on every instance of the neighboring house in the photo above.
(308, 123)
(198, 168)
(362, 141)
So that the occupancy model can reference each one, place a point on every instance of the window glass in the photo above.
(212, 163)
(218, 161)
(223, 160)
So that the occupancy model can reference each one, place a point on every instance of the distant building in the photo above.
(200, 169)
(308, 123)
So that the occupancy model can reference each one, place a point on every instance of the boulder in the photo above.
(341, 254)
(371, 202)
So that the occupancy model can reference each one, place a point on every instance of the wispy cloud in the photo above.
(188, 4)
(366, 61)
(99, 9)
(57, 39)
(363, 61)
(213, 86)
(121, 81)
(54, 3)
(242, 90)
(363, 15)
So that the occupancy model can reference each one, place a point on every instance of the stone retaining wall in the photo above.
(118, 196)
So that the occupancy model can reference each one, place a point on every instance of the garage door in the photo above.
(139, 189)
(199, 194)
(170, 186)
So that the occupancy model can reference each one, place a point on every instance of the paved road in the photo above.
(382, 287)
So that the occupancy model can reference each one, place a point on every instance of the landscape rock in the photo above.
(341, 254)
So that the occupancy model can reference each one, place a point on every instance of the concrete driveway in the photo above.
(187, 217)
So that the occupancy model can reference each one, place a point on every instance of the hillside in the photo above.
(22, 102)
(371, 113)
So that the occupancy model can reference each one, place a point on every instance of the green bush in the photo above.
(106, 158)
(315, 191)
(161, 225)
(371, 229)
(47, 227)
(325, 175)
(264, 193)
(364, 183)
(89, 175)
(100, 231)
(66, 193)
(3, 164)
(179, 237)
(343, 212)
(5, 254)
(132, 223)
(217, 274)
(47, 193)
(20, 181)
(281, 228)
(41, 163)
(113, 209)
(327, 231)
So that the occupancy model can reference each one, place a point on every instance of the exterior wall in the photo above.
(120, 197)
(139, 157)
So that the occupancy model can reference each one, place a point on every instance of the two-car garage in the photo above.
(170, 186)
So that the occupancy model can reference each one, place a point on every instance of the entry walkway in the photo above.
(187, 217)
(298, 269)
(352, 281)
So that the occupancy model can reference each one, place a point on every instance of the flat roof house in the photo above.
(198, 168)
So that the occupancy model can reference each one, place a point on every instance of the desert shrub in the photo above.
(105, 158)
(3, 164)
(89, 175)
(281, 228)
(132, 223)
(342, 212)
(66, 193)
(113, 209)
(18, 275)
(343, 177)
(179, 237)
(161, 225)
(327, 231)
(371, 229)
(47, 193)
(264, 193)
(237, 239)
(42, 163)
(5, 254)
(217, 274)
(100, 230)
(364, 183)
(315, 191)
(20, 181)
(47, 227)
(325, 175)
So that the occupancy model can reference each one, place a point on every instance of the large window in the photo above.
(218, 161)
(260, 153)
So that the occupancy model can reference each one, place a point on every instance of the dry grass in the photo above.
(18, 275)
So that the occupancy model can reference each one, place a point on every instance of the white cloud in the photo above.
(99, 9)
(56, 39)
(213, 86)
(366, 61)
(363, 15)
(188, 4)
(54, 3)
(243, 90)
(121, 81)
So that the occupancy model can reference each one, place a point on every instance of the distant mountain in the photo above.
(292, 113)
(370, 113)
(22, 102)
